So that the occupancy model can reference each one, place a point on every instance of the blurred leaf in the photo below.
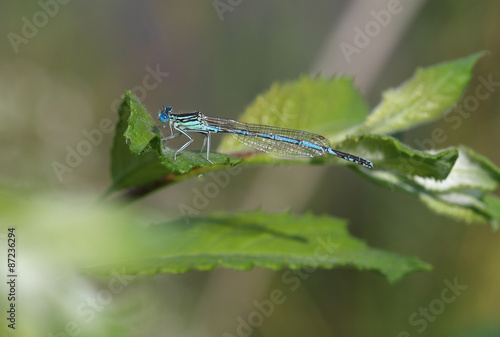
(493, 205)
(245, 240)
(106, 240)
(462, 195)
(329, 107)
(65, 231)
(425, 97)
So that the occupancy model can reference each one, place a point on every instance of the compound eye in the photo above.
(163, 116)
(168, 109)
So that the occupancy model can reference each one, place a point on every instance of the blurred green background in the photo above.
(63, 68)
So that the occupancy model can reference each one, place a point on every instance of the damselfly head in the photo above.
(164, 115)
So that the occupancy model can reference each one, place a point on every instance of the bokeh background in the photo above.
(63, 72)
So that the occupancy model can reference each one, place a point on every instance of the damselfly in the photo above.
(274, 140)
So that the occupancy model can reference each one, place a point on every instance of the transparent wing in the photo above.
(271, 139)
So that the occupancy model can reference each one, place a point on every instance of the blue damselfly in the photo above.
(274, 140)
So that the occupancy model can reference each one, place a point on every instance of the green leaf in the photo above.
(190, 161)
(425, 97)
(134, 169)
(463, 195)
(139, 158)
(329, 107)
(245, 240)
(388, 153)
(471, 172)
(141, 129)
